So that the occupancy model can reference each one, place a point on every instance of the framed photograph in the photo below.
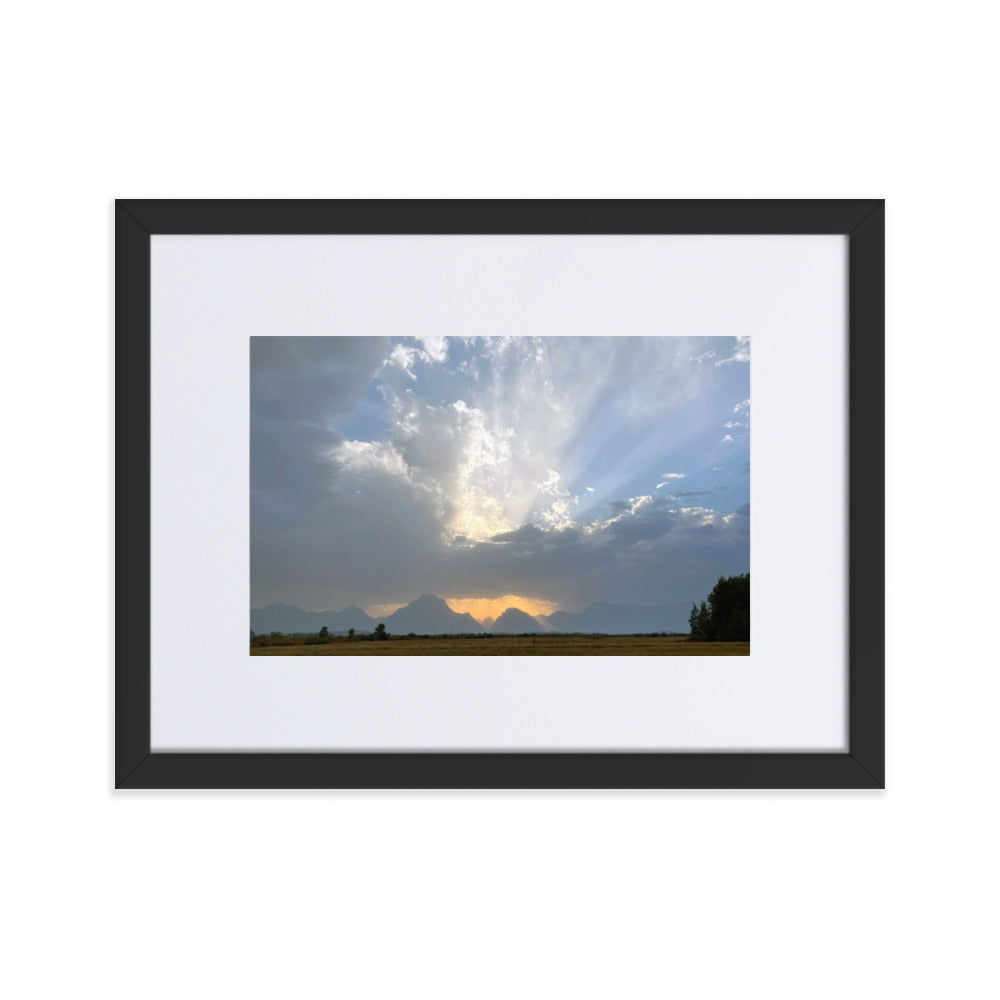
(475, 494)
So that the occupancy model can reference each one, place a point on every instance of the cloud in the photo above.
(435, 348)
(364, 457)
(494, 455)
(525, 533)
(302, 388)
(642, 522)
(740, 353)
(737, 428)
(550, 486)
(621, 558)
(383, 469)
(406, 356)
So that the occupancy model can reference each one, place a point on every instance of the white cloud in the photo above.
(502, 456)
(404, 358)
(370, 456)
(550, 486)
(646, 522)
(557, 515)
(737, 428)
(435, 348)
(741, 353)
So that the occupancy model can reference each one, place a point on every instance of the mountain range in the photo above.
(291, 618)
(515, 621)
(430, 615)
(622, 619)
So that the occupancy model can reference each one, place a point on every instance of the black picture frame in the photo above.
(862, 766)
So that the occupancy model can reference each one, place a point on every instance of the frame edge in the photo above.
(866, 492)
(132, 494)
(862, 767)
(468, 771)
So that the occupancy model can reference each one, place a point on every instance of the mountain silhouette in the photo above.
(292, 618)
(622, 619)
(517, 621)
(431, 616)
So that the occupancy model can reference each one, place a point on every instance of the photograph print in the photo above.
(499, 496)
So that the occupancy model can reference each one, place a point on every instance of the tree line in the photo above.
(324, 638)
(320, 638)
(725, 615)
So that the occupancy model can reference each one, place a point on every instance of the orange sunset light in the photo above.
(493, 607)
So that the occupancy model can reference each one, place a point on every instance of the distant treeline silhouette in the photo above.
(323, 637)
(320, 638)
(725, 617)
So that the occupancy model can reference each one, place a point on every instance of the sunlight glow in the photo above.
(493, 607)
(382, 610)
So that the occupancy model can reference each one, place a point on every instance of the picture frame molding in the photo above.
(861, 766)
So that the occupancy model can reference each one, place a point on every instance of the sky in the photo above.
(545, 473)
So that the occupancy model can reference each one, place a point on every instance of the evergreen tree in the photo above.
(725, 616)
(704, 623)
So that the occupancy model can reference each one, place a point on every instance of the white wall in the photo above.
(498, 895)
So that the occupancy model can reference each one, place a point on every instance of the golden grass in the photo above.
(516, 645)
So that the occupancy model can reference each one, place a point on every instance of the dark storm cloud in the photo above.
(650, 557)
(525, 533)
(299, 386)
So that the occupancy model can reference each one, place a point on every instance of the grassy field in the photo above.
(516, 645)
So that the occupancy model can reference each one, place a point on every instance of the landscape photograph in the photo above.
(499, 496)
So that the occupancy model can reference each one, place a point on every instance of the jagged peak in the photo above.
(515, 613)
(427, 599)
